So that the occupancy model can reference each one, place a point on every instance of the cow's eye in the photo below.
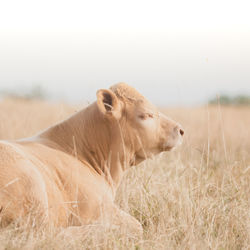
(145, 116)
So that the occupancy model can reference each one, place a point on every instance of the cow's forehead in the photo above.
(126, 92)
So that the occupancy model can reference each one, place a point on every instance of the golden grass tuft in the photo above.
(197, 197)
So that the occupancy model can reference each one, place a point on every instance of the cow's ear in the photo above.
(108, 103)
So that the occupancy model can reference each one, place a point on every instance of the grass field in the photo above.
(197, 197)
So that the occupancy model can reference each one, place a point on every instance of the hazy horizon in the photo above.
(174, 53)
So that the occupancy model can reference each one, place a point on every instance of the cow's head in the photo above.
(145, 131)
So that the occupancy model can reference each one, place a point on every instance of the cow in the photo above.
(68, 175)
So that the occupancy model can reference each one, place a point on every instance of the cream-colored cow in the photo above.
(68, 175)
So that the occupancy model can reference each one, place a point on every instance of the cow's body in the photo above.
(55, 184)
(68, 174)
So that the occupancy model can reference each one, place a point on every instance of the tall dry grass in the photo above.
(196, 197)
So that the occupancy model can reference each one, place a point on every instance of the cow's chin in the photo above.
(146, 154)
(142, 155)
(137, 160)
(172, 144)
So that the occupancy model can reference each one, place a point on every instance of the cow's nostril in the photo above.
(182, 132)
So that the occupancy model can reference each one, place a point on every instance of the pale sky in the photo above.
(174, 52)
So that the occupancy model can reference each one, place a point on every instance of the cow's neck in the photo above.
(87, 136)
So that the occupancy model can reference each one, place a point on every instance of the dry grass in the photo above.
(194, 198)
